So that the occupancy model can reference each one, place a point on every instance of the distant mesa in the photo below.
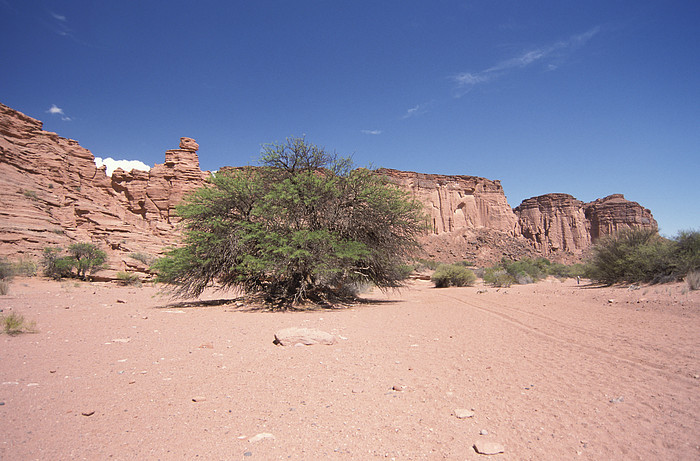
(53, 194)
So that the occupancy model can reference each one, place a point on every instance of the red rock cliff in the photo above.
(53, 194)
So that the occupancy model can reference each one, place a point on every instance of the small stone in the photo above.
(696, 376)
(88, 413)
(619, 399)
(610, 301)
(52, 371)
(261, 436)
(483, 432)
(397, 387)
(121, 301)
(463, 413)
(248, 453)
(484, 447)
(2, 403)
(206, 346)
(199, 398)
(121, 340)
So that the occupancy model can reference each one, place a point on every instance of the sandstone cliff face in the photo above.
(53, 195)
(554, 222)
(614, 213)
(458, 202)
(558, 223)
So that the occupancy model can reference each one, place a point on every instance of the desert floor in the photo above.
(552, 370)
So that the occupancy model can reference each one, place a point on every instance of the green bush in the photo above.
(14, 324)
(88, 258)
(296, 229)
(128, 278)
(641, 255)
(452, 275)
(84, 257)
(498, 277)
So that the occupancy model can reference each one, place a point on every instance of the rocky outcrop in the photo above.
(53, 195)
(559, 223)
(454, 203)
(554, 223)
(614, 213)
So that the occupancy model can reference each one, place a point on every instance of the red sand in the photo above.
(551, 371)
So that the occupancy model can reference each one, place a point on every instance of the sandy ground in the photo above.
(550, 370)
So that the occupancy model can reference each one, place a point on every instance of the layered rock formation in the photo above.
(559, 223)
(53, 195)
(454, 203)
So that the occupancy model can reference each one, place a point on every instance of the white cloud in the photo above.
(418, 109)
(55, 110)
(126, 165)
(467, 80)
(59, 17)
(374, 132)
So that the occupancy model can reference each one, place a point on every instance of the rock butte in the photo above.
(53, 195)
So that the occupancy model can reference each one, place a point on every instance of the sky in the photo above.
(588, 98)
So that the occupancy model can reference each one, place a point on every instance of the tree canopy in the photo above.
(303, 226)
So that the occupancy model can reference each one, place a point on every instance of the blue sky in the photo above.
(588, 98)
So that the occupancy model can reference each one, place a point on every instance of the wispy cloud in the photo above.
(465, 81)
(55, 110)
(416, 110)
(373, 132)
(59, 17)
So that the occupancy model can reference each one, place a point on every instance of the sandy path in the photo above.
(538, 364)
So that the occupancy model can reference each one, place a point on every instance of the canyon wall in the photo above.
(53, 194)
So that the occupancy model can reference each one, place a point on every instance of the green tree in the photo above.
(88, 258)
(304, 226)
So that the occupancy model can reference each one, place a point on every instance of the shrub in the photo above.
(128, 278)
(693, 280)
(295, 229)
(25, 267)
(144, 258)
(88, 258)
(56, 266)
(448, 275)
(14, 324)
(6, 269)
(498, 277)
(4, 287)
(641, 255)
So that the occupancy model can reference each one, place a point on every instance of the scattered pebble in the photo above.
(484, 447)
(483, 432)
(121, 340)
(462, 413)
(121, 301)
(247, 453)
(206, 346)
(619, 399)
(261, 436)
(88, 413)
(397, 387)
(199, 398)
(610, 301)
